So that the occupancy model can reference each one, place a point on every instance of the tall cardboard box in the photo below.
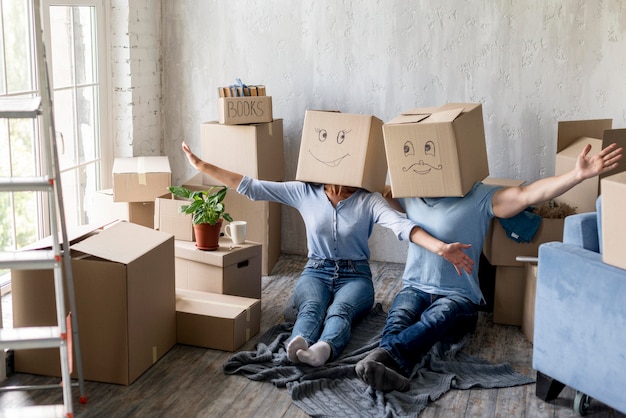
(231, 269)
(342, 148)
(436, 152)
(140, 179)
(125, 301)
(572, 138)
(264, 221)
(614, 220)
(530, 294)
(253, 150)
(210, 320)
(101, 208)
(244, 110)
(508, 303)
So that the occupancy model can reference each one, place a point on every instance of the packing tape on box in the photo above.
(230, 305)
(141, 171)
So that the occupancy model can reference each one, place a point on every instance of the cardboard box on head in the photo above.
(436, 152)
(342, 148)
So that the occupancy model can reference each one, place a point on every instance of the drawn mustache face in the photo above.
(334, 147)
(424, 162)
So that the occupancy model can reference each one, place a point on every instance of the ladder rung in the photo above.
(39, 411)
(20, 107)
(29, 260)
(30, 337)
(25, 184)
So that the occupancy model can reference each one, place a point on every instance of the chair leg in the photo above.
(547, 388)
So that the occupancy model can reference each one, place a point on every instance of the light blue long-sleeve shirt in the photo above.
(339, 233)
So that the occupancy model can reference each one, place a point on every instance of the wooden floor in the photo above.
(189, 382)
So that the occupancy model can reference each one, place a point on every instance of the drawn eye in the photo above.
(341, 136)
(322, 135)
(408, 149)
(429, 148)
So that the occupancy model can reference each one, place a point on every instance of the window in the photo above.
(74, 39)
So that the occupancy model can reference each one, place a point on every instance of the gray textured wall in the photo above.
(530, 63)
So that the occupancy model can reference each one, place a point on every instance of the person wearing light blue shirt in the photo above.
(335, 289)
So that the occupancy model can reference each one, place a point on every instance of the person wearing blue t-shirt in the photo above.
(434, 301)
(335, 289)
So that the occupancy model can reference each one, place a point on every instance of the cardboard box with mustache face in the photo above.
(436, 152)
(342, 148)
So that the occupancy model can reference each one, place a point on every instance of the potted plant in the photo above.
(207, 210)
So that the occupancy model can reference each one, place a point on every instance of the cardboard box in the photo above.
(572, 138)
(230, 270)
(167, 217)
(508, 303)
(210, 320)
(614, 220)
(244, 110)
(264, 221)
(252, 150)
(342, 148)
(530, 292)
(125, 302)
(436, 152)
(101, 208)
(140, 179)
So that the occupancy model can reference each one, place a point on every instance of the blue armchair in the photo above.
(580, 318)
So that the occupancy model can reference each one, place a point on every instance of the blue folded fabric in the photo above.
(521, 227)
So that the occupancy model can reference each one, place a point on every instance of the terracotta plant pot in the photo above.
(208, 236)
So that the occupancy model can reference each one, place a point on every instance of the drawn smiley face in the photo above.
(421, 158)
(330, 152)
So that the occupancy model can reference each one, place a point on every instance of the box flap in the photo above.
(212, 304)
(123, 242)
(74, 234)
(141, 165)
(570, 131)
(496, 181)
(444, 116)
(407, 118)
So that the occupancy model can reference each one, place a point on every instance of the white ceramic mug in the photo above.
(236, 231)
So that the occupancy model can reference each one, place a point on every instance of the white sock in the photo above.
(316, 355)
(298, 343)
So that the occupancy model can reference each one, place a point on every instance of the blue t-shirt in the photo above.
(450, 219)
(339, 233)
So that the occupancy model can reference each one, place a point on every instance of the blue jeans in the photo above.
(417, 320)
(330, 296)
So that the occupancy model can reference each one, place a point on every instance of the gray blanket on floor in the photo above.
(335, 390)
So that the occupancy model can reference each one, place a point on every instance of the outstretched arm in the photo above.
(452, 252)
(510, 201)
(229, 178)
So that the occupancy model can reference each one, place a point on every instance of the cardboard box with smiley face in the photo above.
(342, 148)
(436, 152)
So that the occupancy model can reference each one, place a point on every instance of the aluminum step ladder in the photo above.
(58, 258)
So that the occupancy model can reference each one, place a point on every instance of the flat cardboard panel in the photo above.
(440, 155)
(614, 220)
(126, 311)
(570, 131)
(140, 179)
(500, 250)
(252, 150)
(167, 217)
(508, 304)
(530, 292)
(235, 271)
(342, 148)
(244, 110)
(215, 321)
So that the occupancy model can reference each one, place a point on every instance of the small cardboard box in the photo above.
(140, 179)
(342, 148)
(229, 270)
(264, 221)
(436, 152)
(614, 220)
(252, 150)
(508, 303)
(168, 218)
(125, 301)
(101, 208)
(572, 138)
(500, 250)
(210, 320)
(244, 110)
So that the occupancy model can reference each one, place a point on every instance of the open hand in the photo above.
(454, 254)
(606, 160)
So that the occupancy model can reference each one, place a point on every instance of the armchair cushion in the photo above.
(581, 230)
